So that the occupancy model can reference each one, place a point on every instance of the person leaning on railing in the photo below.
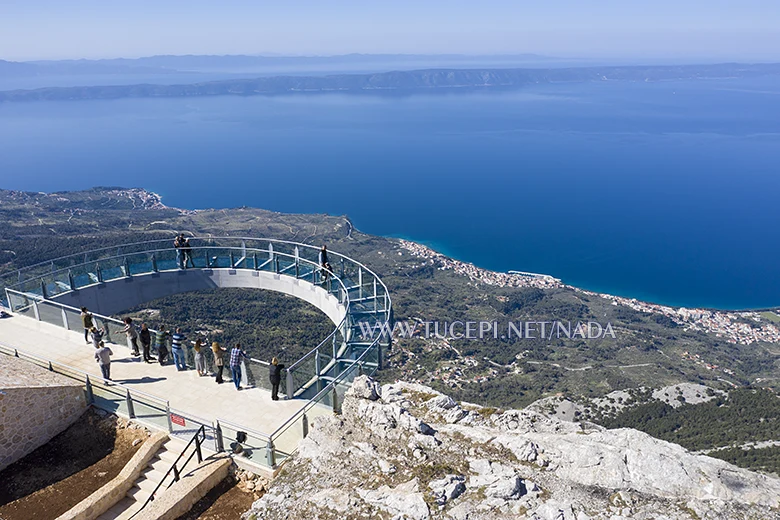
(146, 342)
(237, 355)
(161, 342)
(86, 321)
(132, 335)
(219, 360)
(275, 375)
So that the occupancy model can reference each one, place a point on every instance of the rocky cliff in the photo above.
(405, 451)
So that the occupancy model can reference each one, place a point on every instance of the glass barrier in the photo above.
(254, 447)
(50, 313)
(146, 411)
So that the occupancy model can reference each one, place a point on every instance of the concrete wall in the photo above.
(35, 405)
(116, 296)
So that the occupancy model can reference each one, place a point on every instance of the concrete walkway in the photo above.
(186, 391)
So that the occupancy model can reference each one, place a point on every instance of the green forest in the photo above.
(744, 416)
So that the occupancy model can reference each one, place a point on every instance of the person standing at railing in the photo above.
(103, 357)
(325, 264)
(86, 321)
(97, 335)
(177, 347)
(132, 335)
(146, 342)
(178, 243)
(187, 248)
(200, 359)
(237, 355)
(219, 360)
(161, 343)
(275, 375)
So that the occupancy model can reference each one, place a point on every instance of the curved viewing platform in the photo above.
(46, 329)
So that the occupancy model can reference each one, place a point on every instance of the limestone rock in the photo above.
(447, 488)
(364, 387)
(404, 500)
(397, 446)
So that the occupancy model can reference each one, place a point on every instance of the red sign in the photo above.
(178, 419)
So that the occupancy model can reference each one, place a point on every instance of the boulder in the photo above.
(404, 500)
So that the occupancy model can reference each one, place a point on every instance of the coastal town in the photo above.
(745, 327)
(477, 274)
(738, 327)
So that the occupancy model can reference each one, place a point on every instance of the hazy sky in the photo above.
(720, 29)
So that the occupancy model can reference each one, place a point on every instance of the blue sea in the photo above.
(667, 192)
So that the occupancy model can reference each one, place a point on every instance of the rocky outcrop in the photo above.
(405, 451)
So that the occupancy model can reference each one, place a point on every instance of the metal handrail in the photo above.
(320, 395)
(168, 240)
(176, 477)
(234, 426)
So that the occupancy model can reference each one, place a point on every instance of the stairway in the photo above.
(148, 480)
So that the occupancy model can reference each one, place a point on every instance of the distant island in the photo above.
(400, 81)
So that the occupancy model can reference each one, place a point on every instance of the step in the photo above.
(118, 509)
(147, 485)
(138, 494)
(153, 474)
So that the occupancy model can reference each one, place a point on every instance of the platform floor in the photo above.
(198, 396)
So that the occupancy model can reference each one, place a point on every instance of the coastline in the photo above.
(736, 327)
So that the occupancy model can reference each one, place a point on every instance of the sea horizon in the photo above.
(663, 192)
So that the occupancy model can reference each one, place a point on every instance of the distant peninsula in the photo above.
(400, 81)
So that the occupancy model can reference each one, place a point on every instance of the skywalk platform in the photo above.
(45, 328)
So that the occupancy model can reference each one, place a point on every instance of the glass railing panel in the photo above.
(184, 426)
(50, 313)
(253, 448)
(113, 331)
(20, 303)
(109, 398)
(150, 412)
(286, 440)
(303, 373)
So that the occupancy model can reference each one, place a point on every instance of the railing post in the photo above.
(218, 438)
(232, 260)
(276, 264)
(168, 415)
(36, 311)
(126, 267)
(342, 267)
(51, 368)
(43, 290)
(90, 395)
(207, 263)
(99, 273)
(335, 349)
(254, 260)
(317, 367)
(297, 267)
(64, 318)
(360, 282)
(130, 408)
(305, 425)
(71, 281)
(290, 390)
(335, 399)
(270, 452)
(154, 264)
(175, 473)
(197, 447)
